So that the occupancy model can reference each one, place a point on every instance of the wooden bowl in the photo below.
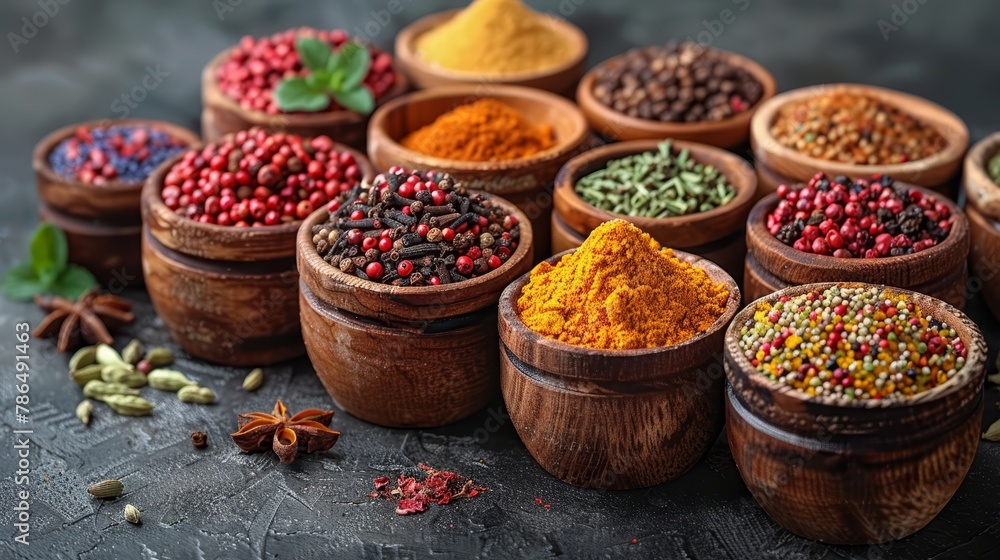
(525, 182)
(613, 419)
(724, 134)
(559, 79)
(980, 190)
(864, 473)
(434, 347)
(790, 166)
(226, 295)
(102, 222)
(940, 271)
(222, 115)
(984, 257)
(716, 235)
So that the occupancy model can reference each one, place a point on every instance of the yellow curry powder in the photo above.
(495, 37)
(621, 290)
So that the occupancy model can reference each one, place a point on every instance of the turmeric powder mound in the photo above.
(621, 290)
(484, 130)
(495, 37)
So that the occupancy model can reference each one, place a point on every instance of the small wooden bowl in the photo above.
(940, 271)
(222, 115)
(980, 189)
(724, 134)
(984, 257)
(790, 166)
(226, 295)
(716, 235)
(102, 222)
(559, 79)
(525, 182)
(435, 347)
(864, 473)
(613, 419)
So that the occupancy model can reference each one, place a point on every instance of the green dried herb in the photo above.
(339, 75)
(253, 380)
(86, 374)
(128, 405)
(168, 380)
(101, 390)
(106, 489)
(993, 168)
(160, 357)
(83, 357)
(84, 410)
(106, 355)
(48, 270)
(125, 374)
(133, 352)
(196, 394)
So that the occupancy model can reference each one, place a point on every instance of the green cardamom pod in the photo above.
(168, 380)
(83, 357)
(86, 374)
(128, 405)
(107, 489)
(83, 411)
(196, 394)
(132, 514)
(133, 352)
(253, 380)
(100, 390)
(107, 355)
(160, 357)
(125, 374)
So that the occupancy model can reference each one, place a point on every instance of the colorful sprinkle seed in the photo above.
(127, 154)
(852, 344)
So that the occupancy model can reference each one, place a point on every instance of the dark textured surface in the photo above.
(218, 503)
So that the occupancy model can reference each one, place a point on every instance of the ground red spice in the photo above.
(413, 496)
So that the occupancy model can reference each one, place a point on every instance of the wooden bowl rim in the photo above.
(940, 310)
(377, 126)
(981, 190)
(947, 124)
(757, 228)
(746, 186)
(326, 270)
(45, 146)
(213, 95)
(585, 98)
(407, 54)
(508, 313)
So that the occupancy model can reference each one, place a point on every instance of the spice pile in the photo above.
(416, 229)
(852, 344)
(484, 130)
(255, 67)
(678, 82)
(658, 184)
(129, 154)
(253, 178)
(869, 219)
(438, 487)
(993, 168)
(495, 37)
(853, 128)
(620, 290)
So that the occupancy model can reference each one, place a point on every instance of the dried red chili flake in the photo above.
(413, 496)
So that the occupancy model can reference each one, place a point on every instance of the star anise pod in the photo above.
(87, 319)
(308, 430)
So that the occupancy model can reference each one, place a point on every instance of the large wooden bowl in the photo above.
(863, 473)
(716, 235)
(725, 133)
(980, 190)
(984, 257)
(559, 79)
(222, 115)
(435, 347)
(614, 419)
(226, 295)
(940, 271)
(102, 222)
(526, 182)
(790, 166)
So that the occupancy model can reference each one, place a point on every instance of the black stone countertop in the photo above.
(219, 503)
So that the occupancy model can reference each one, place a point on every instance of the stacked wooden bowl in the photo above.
(983, 209)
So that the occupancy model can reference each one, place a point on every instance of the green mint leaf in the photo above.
(21, 283)
(335, 82)
(360, 100)
(356, 59)
(313, 53)
(74, 282)
(48, 252)
(296, 94)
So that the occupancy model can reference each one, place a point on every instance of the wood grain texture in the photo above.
(981, 191)
(940, 271)
(796, 167)
(726, 133)
(984, 257)
(222, 115)
(613, 419)
(868, 472)
(112, 253)
(561, 79)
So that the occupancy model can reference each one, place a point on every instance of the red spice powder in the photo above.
(413, 496)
